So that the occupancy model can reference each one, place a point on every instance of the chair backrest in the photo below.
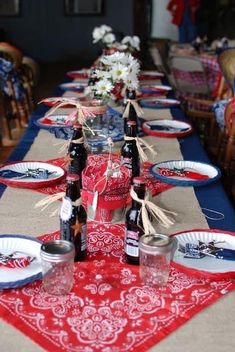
(228, 152)
(188, 74)
(10, 52)
(157, 59)
(226, 61)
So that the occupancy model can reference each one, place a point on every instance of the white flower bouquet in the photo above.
(119, 71)
(130, 44)
(104, 35)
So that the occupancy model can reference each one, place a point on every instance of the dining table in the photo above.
(109, 308)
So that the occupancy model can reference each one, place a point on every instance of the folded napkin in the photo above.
(166, 128)
(164, 171)
(9, 261)
(39, 173)
(202, 249)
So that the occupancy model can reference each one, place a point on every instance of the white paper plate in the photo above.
(208, 264)
(165, 101)
(151, 73)
(155, 87)
(57, 121)
(16, 277)
(75, 73)
(166, 128)
(211, 171)
(77, 86)
(53, 100)
(23, 166)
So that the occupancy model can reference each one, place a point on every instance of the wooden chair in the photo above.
(226, 154)
(192, 88)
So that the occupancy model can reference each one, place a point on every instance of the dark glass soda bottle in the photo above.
(92, 78)
(129, 152)
(134, 226)
(132, 116)
(77, 152)
(73, 218)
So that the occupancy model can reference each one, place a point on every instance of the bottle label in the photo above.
(127, 162)
(84, 238)
(66, 209)
(132, 243)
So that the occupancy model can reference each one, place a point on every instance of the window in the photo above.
(83, 7)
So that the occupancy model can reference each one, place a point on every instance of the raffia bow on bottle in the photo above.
(139, 143)
(135, 105)
(149, 207)
(49, 200)
(64, 145)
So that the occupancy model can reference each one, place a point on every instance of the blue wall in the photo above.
(44, 32)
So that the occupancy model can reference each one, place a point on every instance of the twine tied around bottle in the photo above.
(52, 198)
(135, 105)
(139, 143)
(65, 145)
(153, 209)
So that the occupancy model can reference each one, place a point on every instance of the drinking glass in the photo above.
(57, 258)
(155, 254)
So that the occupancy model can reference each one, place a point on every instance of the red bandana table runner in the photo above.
(155, 186)
(109, 309)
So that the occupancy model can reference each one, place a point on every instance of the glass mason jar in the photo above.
(97, 129)
(155, 255)
(57, 258)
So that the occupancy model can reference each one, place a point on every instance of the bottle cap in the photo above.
(72, 177)
(131, 123)
(139, 180)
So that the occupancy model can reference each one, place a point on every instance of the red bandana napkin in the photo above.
(109, 308)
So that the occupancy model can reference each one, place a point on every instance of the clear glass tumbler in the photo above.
(57, 258)
(155, 255)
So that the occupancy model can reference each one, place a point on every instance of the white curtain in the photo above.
(161, 21)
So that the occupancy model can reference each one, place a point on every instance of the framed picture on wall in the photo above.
(9, 8)
(83, 7)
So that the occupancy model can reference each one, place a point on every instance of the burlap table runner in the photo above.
(19, 216)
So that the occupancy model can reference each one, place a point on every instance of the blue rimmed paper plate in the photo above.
(28, 246)
(155, 88)
(51, 101)
(84, 73)
(53, 121)
(185, 173)
(159, 103)
(73, 86)
(167, 128)
(12, 174)
(150, 75)
(208, 265)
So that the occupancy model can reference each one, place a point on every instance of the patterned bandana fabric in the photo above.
(155, 186)
(108, 309)
(6, 70)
